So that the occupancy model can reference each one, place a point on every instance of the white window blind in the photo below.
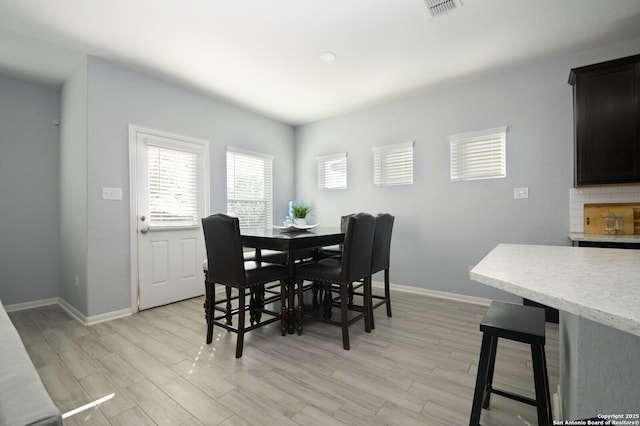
(393, 164)
(172, 187)
(478, 155)
(332, 171)
(249, 188)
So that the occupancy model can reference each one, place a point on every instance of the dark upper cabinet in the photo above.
(606, 109)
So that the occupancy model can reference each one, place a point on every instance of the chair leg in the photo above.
(481, 381)
(327, 302)
(351, 293)
(228, 316)
(541, 385)
(259, 306)
(209, 304)
(486, 399)
(316, 290)
(368, 311)
(344, 314)
(253, 304)
(387, 294)
(300, 305)
(241, 310)
(546, 386)
(291, 302)
(283, 307)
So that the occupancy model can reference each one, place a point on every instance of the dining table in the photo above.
(289, 240)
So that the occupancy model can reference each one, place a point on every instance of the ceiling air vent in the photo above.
(441, 7)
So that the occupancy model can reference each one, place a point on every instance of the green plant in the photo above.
(300, 211)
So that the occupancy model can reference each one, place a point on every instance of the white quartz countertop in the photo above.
(600, 284)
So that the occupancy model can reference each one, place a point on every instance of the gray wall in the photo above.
(118, 97)
(29, 212)
(442, 227)
(73, 190)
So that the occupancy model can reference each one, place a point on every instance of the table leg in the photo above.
(291, 293)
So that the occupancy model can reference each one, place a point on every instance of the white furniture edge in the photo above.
(599, 284)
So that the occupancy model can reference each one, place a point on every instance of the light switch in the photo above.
(520, 193)
(111, 193)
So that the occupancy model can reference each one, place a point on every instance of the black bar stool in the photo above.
(523, 324)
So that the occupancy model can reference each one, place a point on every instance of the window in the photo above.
(393, 164)
(332, 171)
(249, 188)
(172, 186)
(478, 155)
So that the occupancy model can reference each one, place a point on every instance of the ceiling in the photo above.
(264, 55)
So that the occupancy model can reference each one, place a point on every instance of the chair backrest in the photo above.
(344, 222)
(224, 249)
(382, 242)
(358, 243)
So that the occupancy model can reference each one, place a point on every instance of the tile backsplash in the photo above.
(601, 194)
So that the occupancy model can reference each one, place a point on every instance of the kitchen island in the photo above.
(597, 291)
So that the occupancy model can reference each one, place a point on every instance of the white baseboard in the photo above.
(94, 319)
(435, 293)
(69, 309)
(108, 316)
(73, 312)
(556, 405)
(31, 305)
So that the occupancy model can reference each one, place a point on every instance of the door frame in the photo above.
(133, 195)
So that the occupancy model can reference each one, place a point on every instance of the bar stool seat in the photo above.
(524, 324)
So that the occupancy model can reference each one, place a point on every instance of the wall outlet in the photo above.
(111, 193)
(520, 193)
(77, 281)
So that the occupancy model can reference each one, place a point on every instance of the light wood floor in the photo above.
(417, 368)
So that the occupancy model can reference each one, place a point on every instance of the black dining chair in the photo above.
(353, 265)
(226, 266)
(326, 252)
(335, 251)
(380, 261)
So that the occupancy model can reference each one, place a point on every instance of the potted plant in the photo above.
(300, 212)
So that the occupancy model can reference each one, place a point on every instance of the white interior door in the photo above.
(171, 196)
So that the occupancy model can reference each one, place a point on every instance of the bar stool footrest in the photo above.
(514, 396)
